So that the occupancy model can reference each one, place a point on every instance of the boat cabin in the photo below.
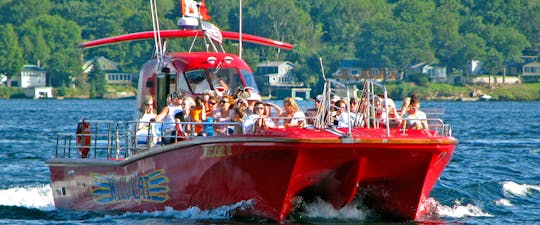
(193, 74)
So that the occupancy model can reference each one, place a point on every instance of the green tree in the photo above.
(96, 78)
(18, 12)
(11, 57)
(61, 37)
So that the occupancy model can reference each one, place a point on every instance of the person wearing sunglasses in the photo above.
(259, 120)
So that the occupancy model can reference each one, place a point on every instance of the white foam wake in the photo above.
(511, 188)
(458, 210)
(194, 213)
(323, 209)
(39, 197)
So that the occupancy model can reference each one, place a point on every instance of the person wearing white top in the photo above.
(257, 121)
(292, 111)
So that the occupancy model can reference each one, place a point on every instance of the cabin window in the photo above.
(197, 81)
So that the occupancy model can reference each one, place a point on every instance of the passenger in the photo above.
(187, 105)
(251, 100)
(414, 118)
(197, 115)
(258, 121)
(311, 113)
(342, 117)
(209, 113)
(394, 116)
(148, 112)
(167, 116)
(239, 115)
(242, 103)
(353, 102)
(223, 113)
(405, 105)
(297, 118)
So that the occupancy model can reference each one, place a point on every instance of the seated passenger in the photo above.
(258, 121)
(239, 114)
(167, 116)
(394, 116)
(223, 114)
(342, 116)
(297, 118)
(414, 118)
(197, 115)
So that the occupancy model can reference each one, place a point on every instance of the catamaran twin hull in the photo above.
(392, 175)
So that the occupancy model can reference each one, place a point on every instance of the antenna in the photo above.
(322, 69)
(240, 31)
(157, 35)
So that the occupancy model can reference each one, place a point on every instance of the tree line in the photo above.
(389, 33)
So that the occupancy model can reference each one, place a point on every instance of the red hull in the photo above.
(393, 175)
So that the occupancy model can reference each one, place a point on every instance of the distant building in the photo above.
(279, 79)
(351, 72)
(33, 79)
(32, 76)
(434, 72)
(278, 73)
(38, 92)
(112, 74)
(531, 72)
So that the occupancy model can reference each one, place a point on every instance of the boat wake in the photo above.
(512, 189)
(39, 197)
(458, 210)
(322, 209)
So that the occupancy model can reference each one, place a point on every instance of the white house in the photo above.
(32, 76)
(278, 73)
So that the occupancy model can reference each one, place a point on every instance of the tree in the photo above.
(60, 37)
(96, 78)
(18, 12)
(11, 57)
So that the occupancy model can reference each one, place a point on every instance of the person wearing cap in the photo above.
(251, 98)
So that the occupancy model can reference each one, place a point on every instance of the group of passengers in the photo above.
(409, 116)
(244, 112)
(214, 114)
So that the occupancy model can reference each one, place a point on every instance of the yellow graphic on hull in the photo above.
(111, 188)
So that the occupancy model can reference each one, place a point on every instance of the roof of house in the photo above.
(32, 68)
(104, 63)
(273, 63)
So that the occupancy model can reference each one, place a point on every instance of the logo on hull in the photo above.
(111, 188)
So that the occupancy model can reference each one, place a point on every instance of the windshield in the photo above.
(200, 81)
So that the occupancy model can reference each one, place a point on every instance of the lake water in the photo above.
(493, 178)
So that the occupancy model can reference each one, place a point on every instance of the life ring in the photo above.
(83, 138)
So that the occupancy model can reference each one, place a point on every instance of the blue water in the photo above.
(493, 178)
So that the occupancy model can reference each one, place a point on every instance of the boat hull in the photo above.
(393, 176)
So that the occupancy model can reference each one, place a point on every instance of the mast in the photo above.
(240, 31)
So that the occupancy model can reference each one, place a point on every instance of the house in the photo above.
(279, 73)
(434, 72)
(33, 79)
(112, 74)
(32, 76)
(351, 72)
(531, 72)
(279, 79)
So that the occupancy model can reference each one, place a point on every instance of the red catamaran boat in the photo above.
(391, 170)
